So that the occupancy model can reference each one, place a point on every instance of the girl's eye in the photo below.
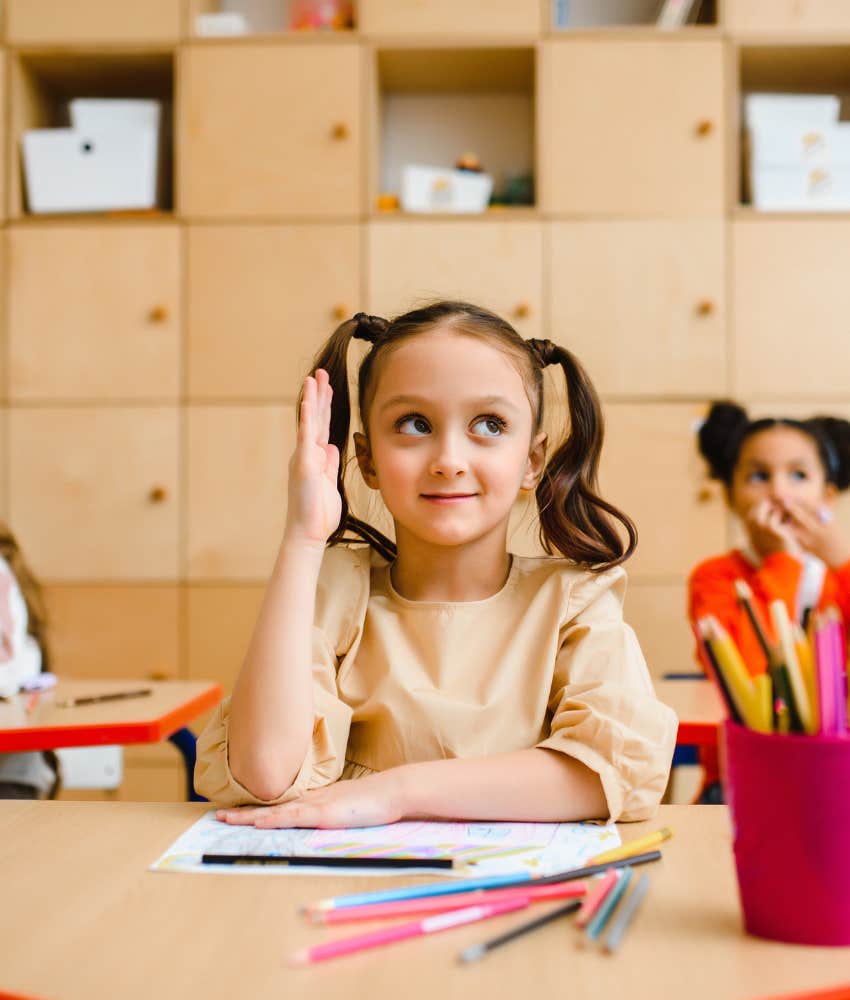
(757, 477)
(413, 424)
(799, 474)
(488, 426)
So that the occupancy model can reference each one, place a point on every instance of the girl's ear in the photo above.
(536, 462)
(830, 494)
(364, 460)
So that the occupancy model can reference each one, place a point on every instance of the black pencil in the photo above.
(476, 951)
(324, 861)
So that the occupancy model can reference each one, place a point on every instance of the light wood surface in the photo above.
(108, 927)
(169, 706)
(31, 22)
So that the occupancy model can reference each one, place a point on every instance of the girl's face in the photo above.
(449, 439)
(779, 464)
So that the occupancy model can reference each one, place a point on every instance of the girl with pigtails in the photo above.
(449, 677)
(782, 478)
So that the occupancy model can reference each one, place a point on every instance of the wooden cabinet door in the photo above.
(652, 471)
(449, 18)
(791, 17)
(57, 22)
(791, 300)
(642, 304)
(632, 128)
(107, 631)
(94, 491)
(270, 130)
(261, 301)
(94, 312)
(237, 473)
(658, 612)
(493, 264)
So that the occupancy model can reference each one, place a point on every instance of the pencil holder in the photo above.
(790, 802)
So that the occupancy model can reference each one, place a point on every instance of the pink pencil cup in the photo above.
(790, 802)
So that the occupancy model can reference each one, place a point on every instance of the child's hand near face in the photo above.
(314, 506)
(770, 530)
(816, 532)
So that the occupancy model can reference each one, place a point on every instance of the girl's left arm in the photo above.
(535, 786)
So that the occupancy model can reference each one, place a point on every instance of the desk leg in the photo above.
(184, 740)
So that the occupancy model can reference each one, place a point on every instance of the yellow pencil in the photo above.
(782, 626)
(647, 843)
(737, 678)
(806, 659)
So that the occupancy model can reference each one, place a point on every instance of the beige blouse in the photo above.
(545, 662)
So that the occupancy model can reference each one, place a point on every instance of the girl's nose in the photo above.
(448, 460)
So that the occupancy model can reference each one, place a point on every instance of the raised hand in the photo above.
(314, 507)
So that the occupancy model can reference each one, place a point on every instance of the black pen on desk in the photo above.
(325, 861)
(92, 699)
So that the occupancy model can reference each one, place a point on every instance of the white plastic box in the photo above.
(435, 189)
(107, 160)
(799, 153)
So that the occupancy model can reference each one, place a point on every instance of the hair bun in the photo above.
(720, 429)
(368, 328)
(835, 431)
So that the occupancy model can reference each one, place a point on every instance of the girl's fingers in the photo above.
(332, 462)
(240, 817)
(307, 421)
(324, 393)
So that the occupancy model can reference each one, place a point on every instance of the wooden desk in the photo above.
(164, 714)
(698, 706)
(83, 919)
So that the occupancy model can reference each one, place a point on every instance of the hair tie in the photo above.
(368, 328)
(544, 351)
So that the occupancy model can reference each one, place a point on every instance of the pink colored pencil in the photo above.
(825, 676)
(441, 904)
(840, 675)
(599, 890)
(400, 932)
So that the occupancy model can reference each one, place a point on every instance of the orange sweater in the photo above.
(711, 591)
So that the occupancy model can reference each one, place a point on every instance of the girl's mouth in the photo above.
(447, 498)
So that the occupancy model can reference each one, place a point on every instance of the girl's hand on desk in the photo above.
(369, 801)
(314, 506)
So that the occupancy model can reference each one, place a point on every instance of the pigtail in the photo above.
(719, 436)
(574, 519)
(333, 358)
(833, 436)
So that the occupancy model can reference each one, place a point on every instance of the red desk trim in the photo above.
(698, 734)
(125, 733)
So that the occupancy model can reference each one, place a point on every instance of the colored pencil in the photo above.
(415, 928)
(782, 625)
(476, 951)
(737, 678)
(627, 912)
(633, 847)
(745, 598)
(593, 899)
(467, 885)
(825, 675)
(324, 861)
(597, 922)
(712, 669)
(439, 904)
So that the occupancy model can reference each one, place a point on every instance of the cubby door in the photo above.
(790, 307)
(651, 470)
(261, 300)
(270, 130)
(115, 631)
(93, 491)
(658, 612)
(448, 17)
(642, 304)
(60, 22)
(632, 128)
(786, 17)
(237, 475)
(493, 264)
(94, 312)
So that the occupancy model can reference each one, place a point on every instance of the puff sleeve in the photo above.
(603, 709)
(341, 601)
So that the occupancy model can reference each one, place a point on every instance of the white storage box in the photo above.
(98, 113)
(786, 110)
(801, 189)
(434, 189)
(68, 170)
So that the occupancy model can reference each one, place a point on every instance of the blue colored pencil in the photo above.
(597, 923)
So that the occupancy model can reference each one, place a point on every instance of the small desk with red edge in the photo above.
(163, 714)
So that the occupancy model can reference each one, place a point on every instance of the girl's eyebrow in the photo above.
(422, 401)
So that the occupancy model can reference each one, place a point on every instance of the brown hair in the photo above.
(574, 520)
(30, 590)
